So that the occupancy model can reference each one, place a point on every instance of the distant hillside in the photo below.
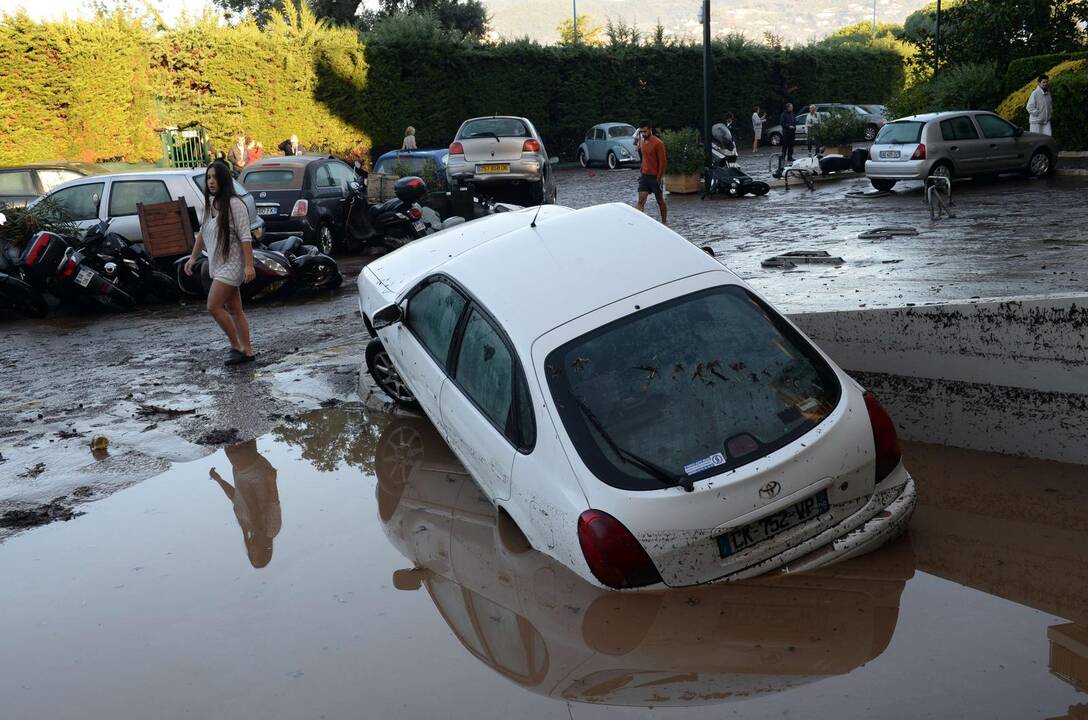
(796, 21)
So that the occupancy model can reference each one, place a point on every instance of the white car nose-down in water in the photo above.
(639, 412)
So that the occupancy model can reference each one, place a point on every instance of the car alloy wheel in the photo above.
(398, 450)
(941, 170)
(324, 239)
(613, 163)
(1040, 164)
(582, 159)
(380, 367)
(870, 132)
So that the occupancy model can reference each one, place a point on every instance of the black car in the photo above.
(302, 195)
(23, 183)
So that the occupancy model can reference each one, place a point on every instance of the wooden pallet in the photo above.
(167, 228)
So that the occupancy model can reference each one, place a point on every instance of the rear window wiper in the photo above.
(652, 469)
(485, 134)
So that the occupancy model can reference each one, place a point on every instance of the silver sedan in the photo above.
(503, 157)
(954, 144)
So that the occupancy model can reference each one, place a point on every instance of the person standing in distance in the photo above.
(757, 127)
(789, 131)
(1040, 107)
(409, 142)
(652, 170)
(225, 233)
(811, 121)
(290, 146)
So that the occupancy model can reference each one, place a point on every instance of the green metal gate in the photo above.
(185, 147)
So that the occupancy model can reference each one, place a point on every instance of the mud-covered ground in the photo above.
(153, 384)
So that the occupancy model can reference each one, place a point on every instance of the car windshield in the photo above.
(406, 166)
(696, 386)
(201, 177)
(278, 179)
(491, 127)
(621, 131)
(900, 132)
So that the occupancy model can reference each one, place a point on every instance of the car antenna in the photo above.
(537, 213)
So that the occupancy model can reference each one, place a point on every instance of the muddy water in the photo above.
(343, 567)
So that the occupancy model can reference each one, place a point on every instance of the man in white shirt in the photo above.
(811, 121)
(1040, 107)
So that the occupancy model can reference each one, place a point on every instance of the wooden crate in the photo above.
(379, 187)
(167, 228)
(683, 184)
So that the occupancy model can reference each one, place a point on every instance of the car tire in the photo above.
(583, 160)
(775, 139)
(613, 161)
(385, 376)
(882, 184)
(536, 193)
(941, 169)
(871, 132)
(325, 241)
(1041, 164)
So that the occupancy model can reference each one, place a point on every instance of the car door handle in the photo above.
(954, 148)
(993, 146)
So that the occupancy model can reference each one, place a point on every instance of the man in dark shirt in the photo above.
(653, 169)
(789, 131)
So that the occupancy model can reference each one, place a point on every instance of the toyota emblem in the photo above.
(770, 490)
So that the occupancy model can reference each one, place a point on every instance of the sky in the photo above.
(50, 9)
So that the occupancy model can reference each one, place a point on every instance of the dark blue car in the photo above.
(427, 164)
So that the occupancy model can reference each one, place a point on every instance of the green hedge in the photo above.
(1025, 70)
(1069, 87)
(96, 89)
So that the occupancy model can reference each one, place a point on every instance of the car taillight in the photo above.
(919, 152)
(38, 248)
(530, 146)
(415, 213)
(885, 439)
(613, 554)
(457, 149)
(300, 208)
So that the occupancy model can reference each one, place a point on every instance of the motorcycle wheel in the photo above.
(23, 299)
(760, 188)
(321, 273)
(159, 287)
(116, 299)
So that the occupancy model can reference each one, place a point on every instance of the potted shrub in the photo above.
(684, 160)
(836, 131)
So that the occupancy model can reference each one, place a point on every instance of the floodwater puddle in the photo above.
(346, 566)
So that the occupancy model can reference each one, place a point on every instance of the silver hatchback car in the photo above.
(505, 158)
(961, 143)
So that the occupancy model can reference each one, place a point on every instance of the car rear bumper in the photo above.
(278, 229)
(898, 170)
(520, 170)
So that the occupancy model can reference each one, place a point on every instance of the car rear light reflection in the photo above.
(885, 439)
(301, 208)
(457, 149)
(38, 248)
(415, 213)
(530, 146)
(613, 554)
(919, 152)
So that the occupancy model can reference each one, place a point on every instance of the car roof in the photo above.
(926, 117)
(534, 279)
(436, 153)
(612, 124)
(85, 168)
(286, 160)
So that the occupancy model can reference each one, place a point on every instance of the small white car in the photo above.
(503, 157)
(641, 415)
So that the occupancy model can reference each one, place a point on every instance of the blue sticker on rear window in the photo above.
(705, 464)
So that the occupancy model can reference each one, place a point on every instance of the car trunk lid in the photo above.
(488, 149)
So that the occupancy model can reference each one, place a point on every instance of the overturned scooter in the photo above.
(726, 177)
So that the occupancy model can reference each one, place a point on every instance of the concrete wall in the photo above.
(1007, 376)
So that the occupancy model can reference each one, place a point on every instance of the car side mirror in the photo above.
(1018, 132)
(553, 160)
(411, 579)
(386, 316)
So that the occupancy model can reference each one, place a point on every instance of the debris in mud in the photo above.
(802, 257)
(68, 434)
(41, 515)
(99, 443)
(219, 437)
(883, 233)
(330, 403)
(147, 409)
(33, 471)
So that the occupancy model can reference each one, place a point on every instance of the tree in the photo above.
(469, 17)
(341, 12)
(620, 33)
(997, 31)
(261, 10)
(588, 33)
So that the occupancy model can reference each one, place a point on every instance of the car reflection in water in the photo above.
(532, 620)
(256, 499)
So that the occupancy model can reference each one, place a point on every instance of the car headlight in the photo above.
(623, 151)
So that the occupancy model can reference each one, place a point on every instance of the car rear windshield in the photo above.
(406, 166)
(621, 131)
(278, 179)
(900, 132)
(696, 386)
(488, 127)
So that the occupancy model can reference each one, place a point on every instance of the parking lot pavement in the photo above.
(1010, 237)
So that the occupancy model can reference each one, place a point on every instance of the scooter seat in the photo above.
(291, 244)
(387, 206)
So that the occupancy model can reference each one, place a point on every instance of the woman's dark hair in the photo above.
(222, 201)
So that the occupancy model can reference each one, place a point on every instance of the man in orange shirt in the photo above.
(653, 169)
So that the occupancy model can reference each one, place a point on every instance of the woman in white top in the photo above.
(225, 234)
(409, 139)
(757, 127)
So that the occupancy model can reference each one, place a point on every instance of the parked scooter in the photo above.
(127, 265)
(395, 222)
(282, 267)
(15, 293)
(466, 202)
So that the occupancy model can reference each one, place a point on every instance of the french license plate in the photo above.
(84, 277)
(745, 537)
(493, 168)
(265, 210)
(419, 226)
(889, 154)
